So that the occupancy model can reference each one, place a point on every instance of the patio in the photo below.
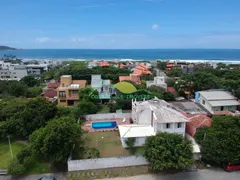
(87, 125)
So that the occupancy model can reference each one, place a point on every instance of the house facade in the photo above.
(67, 92)
(217, 101)
(151, 117)
(158, 81)
(104, 88)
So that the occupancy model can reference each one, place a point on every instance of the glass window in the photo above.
(179, 125)
(62, 94)
(62, 101)
(168, 125)
(203, 101)
(75, 92)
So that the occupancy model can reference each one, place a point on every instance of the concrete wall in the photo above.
(206, 105)
(101, 163)
(108, 116)
(140, 141)
(225, 108)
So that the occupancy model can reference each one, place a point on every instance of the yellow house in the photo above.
(67, 92)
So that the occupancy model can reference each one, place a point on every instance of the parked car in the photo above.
(47, 178)
(232, 167)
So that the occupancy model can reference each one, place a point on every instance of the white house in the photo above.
(215, 101)
(158, 81)
(151, 117)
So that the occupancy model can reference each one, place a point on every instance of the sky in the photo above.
(120, 24)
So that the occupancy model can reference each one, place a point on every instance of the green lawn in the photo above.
(125, 87)
(103, 109)
(108, 144)
(5, 156)
(36, 167)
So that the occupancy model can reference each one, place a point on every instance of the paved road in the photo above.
(215, 174)
(58, 176)
(208, 174)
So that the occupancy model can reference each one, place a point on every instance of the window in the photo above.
(168, 125)
(62, 94)
(62, 101)
(179, 125)
(75, 92)
(203, 101)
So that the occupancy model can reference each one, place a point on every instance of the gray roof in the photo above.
(217, 95)
(224, 103)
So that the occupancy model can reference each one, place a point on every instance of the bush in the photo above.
(130, 144)
(15, 168)
(91, 153)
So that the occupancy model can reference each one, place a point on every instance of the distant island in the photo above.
(8, 48)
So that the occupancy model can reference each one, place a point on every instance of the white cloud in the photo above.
(155, 27)
(43, 39)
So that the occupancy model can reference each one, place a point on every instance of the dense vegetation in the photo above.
(7, 48)
(168, 151)
(220, 143)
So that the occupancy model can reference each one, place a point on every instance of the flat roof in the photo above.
(217, 95)
(224, 103)
(127, 131)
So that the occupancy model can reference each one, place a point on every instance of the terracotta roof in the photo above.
(121, 65)
(54, 85)
(172, 90)
(200, 120)
(140, 72)
(103, 63)
(140, 67)
(50, 93)
(82, 83)
(144, 66)
(132, 78)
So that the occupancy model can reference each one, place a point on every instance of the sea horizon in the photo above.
(128, 54)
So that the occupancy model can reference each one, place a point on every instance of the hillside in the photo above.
(7, 48)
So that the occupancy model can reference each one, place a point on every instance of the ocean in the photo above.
(131, 54)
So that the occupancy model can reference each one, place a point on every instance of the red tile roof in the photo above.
(103, 63)
(200, 120)
(172, 90)
(53, 85)
(50, 93)
(82, 83)
(140, 72)
(133, 78)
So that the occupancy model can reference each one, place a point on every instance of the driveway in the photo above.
(208, 174)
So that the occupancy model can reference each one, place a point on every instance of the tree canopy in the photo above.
(220, 142)
(34, 115)
(168, 151)
(84, 107)
(56, 140)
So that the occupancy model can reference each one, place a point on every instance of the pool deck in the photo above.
(87, 125)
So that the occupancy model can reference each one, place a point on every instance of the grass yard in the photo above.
(104, 109)
(36, 167)
(125, 87)
(108, 143)
(5, 156)
(108, 173)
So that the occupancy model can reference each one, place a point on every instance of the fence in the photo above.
(101, 163)
(108, 116)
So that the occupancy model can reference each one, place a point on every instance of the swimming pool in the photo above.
(104, 125)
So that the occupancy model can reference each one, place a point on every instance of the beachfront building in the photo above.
(217, 101)
(37, 69)
(150, 117)
(132, 77)
(104, 88)
(67, 92)
(12, 72)
(158, 81)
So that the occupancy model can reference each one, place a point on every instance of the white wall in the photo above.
(206, 105)
(101, 163)
(225, 108)
(108, 116)
(140, 141)
(161, 127)
(144, 117)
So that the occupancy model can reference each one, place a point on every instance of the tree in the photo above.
(88, 94)
(83, 108)
(220, 142)
(167, 151)
(30, 81)
(130, 142)
(33, 92)
(175, 72)
(162, 65)
(56, 140)
(35, 115)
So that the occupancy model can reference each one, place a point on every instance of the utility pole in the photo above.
(10, 146)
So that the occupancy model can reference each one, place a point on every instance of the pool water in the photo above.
(104, 125)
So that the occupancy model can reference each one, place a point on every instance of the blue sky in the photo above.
(120, 23)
